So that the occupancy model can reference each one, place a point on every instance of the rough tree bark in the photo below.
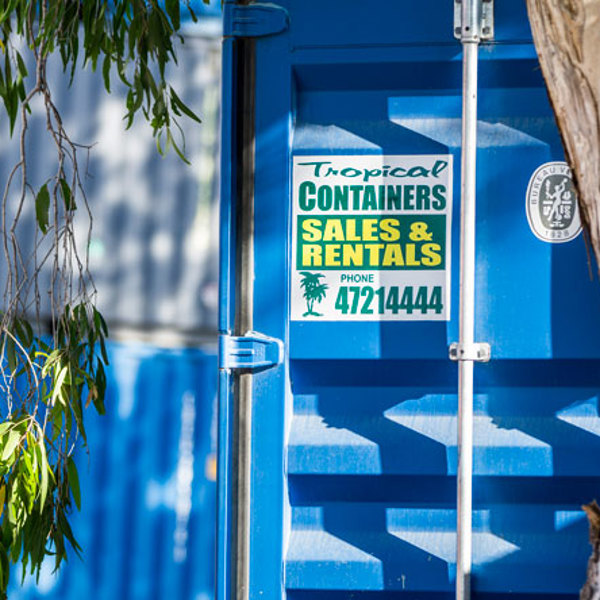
(591, 589)
(567, 38)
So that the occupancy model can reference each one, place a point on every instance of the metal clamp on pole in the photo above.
(475, 352)
(470, 27)
(484, 31)
(250, 353)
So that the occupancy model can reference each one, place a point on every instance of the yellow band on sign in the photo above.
(338, 230)
(366, 242)
(370, 255)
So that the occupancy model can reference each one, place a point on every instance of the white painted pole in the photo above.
(470, 42)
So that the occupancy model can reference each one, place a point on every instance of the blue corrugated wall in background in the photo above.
(147, 520)
(153, 248)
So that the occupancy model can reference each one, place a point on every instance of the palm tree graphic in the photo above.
(314, 291)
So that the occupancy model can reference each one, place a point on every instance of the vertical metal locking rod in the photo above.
(244, 312)
(470, 25)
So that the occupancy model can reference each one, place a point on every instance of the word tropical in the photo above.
(362, 242)
(323, 168)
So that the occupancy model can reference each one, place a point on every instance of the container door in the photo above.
(356, 211)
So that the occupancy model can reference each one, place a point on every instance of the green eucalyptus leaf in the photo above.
(173, 10)
(67, 195)
(106, 72)
(98, 398)
(5, 427)
(74, 481)
(58, 385)
(192, 13)
(180, 105)
(100, 322)
(21, 65)
(42, 208)
(44, 470)
(103, 352)
(10, 350)
(14, 437)
(4, 567)
(24, 332)
(68, 532)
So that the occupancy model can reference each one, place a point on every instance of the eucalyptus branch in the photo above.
(47, 379)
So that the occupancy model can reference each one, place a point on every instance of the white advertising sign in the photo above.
(371, 238)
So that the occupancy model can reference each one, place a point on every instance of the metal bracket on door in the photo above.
(486, 22)
(254, 20)
(251, 352)
(478, 352)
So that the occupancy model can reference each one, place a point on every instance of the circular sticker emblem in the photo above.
(552, 209)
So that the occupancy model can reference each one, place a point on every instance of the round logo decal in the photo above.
(552, 209)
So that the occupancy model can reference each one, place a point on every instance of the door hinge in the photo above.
(250, 352)
(254, 20)
(478, 352)
(481, 29)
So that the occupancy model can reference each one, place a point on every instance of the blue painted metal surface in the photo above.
(252, 352)
(354, 451)
(254, 20)
(148, 485)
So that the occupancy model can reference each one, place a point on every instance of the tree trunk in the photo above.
(567, 38)
(591, 589)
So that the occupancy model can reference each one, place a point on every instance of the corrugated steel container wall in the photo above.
(153, 246)
(354, 451)
(147, 520)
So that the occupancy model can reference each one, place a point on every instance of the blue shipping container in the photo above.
(148, 485)
(340, 229)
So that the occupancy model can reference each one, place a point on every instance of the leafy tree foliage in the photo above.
(47, 379)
